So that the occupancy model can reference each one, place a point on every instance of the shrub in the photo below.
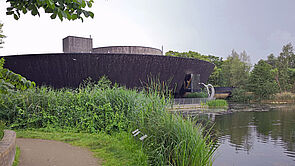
(241, 95)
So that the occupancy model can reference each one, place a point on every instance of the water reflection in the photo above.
(256, 138)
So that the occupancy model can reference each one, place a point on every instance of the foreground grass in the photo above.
(110, 150)
(108, 114)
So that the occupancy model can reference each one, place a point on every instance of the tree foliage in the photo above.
(1, 35)
(261, 81)
(284, 64)
(235, 70)
(64, 9)
(215, 77)
(272, 60)
(10, 81)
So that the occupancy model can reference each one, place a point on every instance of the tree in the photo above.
(1, 35)
(272, 60)
(215, 77)
(291, 74)
(285, 61)
(68, 9)
(287, 57)
(261, 81)
(235, 70)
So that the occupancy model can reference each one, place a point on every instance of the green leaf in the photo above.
(51, 4)
(34, 12)
(9, 8)
(24, 10)
(64, 14)
(69, 17)
(15, 17)
(53, 16)
(91, 14)
(86, 14)
(60, 15)
(74, 16)
(83, 4)
(89, 4)
(48, 10)
(9, 13)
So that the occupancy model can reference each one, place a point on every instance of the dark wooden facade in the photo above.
(70, 69)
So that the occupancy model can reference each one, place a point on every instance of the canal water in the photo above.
(256, 138)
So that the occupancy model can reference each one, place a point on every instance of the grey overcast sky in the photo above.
(215, 27)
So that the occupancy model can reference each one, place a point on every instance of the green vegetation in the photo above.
(67, 9)
(215, 78)
(111, 111)
(10, 81)
(16, 158)
(235, 70)
(261, 81)
(268, 77)
(241, 95)
(1, 35)
(219, 103)
(286, 96)
(197, 95)
(118, 149)
(2, 126)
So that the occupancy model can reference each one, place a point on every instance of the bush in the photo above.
(90, 109)
(241, 95)
(197, 95)
(217, 103)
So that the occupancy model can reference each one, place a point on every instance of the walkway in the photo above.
(37, 152)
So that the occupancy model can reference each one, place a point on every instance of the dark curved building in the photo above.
(131, 70)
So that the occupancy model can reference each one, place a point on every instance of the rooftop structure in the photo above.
(73, 44)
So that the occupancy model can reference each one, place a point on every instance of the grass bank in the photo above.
(111, 112)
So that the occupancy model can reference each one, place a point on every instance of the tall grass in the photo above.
(172, 139)
(99, 107)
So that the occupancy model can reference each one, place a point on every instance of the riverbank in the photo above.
(198, 109)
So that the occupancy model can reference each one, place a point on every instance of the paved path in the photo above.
(37, 152)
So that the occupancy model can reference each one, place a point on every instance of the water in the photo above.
(256, 138)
